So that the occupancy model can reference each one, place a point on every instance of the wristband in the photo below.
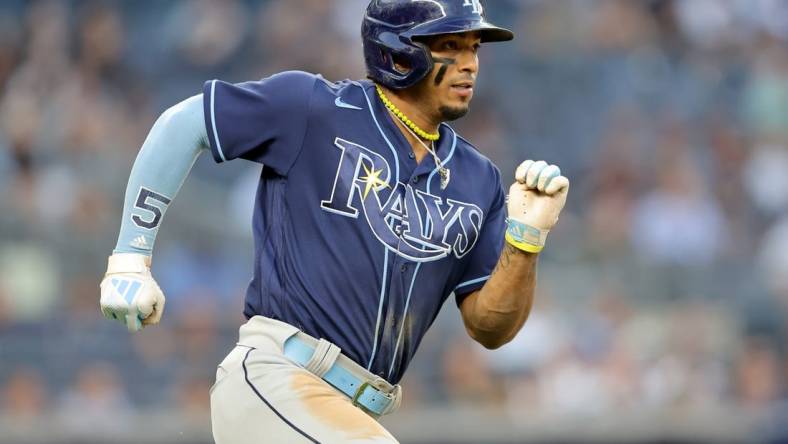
(525, 237)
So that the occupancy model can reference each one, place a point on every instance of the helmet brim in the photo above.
(489, 32)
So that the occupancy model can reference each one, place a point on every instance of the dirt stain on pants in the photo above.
(327, 404)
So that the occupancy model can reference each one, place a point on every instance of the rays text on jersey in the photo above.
(410, 222)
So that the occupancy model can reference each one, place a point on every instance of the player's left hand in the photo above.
(129, 293)
(535, 201)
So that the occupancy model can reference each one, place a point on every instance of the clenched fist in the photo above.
(535, 200)
(129, 293)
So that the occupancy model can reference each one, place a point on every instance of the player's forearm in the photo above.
(494, 314)
(168, 154)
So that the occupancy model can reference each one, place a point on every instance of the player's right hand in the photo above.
(129, 293)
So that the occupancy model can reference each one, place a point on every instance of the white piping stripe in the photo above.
(404, 316)
(213, 122)
(472, 281)
(384, 280)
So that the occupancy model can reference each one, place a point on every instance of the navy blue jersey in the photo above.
(355, 241)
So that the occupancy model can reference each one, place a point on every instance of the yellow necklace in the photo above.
(404, 119)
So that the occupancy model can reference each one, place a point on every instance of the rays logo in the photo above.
(475, 4)
(411, 223)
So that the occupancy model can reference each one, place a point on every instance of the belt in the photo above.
(372, 394)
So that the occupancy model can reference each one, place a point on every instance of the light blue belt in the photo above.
(362, 393)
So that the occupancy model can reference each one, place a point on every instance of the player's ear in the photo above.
(401, 65)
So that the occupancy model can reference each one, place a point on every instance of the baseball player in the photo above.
(370, 212)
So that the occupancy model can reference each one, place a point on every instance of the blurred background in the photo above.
(663, 295)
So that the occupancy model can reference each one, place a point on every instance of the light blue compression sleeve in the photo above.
(176, 140)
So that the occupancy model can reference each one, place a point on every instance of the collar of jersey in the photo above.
(393, 131)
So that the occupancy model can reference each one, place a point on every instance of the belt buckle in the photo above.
(358, 394)
(360, 391)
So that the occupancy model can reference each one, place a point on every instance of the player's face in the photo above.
(450, 85)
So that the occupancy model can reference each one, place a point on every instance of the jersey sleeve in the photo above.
(263, 121)
(487, 250)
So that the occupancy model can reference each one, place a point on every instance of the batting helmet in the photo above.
(390, 26)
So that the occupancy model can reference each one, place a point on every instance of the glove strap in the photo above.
(128, 263)
(525, 237)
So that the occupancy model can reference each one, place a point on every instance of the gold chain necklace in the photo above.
(404, 119)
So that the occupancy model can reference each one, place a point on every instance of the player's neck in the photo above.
(408, 103)
(408, 106)
(416, 146)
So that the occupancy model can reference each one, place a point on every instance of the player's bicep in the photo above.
(467, 304)
(468, 311)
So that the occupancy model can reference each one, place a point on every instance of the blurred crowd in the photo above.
(664, 287)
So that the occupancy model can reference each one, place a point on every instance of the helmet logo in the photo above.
(475, 4)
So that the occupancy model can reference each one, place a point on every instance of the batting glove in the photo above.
(129, 293)
(535, 201)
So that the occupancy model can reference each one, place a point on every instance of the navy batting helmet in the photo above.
(390, 26)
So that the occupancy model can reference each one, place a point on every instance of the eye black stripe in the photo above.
(445, 62)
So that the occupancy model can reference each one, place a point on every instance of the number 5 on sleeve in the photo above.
(152, 202)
